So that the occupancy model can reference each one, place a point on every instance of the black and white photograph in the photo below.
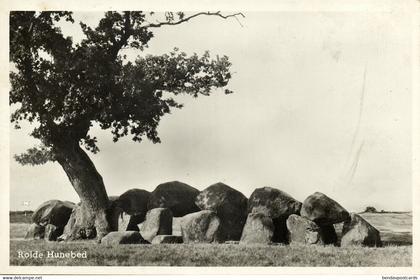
(212, 138)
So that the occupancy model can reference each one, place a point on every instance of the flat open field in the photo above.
(396, 232)
(395, 228)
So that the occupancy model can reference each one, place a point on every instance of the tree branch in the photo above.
(159, 24)
(35, 156)
(125, 35)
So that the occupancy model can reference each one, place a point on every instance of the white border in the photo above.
(404, 7)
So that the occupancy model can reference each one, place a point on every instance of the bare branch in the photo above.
(219, 14)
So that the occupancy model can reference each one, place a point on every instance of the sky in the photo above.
(321, 102)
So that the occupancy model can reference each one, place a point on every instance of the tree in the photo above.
(370, 209)
(62, 88)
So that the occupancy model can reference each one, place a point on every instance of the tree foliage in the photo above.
(62, 88)
(370, 209)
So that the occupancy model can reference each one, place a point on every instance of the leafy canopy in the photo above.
(62, 88)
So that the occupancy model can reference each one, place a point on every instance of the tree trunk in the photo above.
(91, 217)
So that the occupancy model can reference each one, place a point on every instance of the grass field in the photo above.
(20, 216)
(212, 255)
(396, 232)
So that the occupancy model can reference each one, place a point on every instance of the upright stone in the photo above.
(323, 210)
(303, 230)
(52, 232)
(230, 206)
(358, 232)
(277, 205)
(158, 222)
(124, 221)
(259, 229)
(113, 213)
(176, 226)
(201, 227)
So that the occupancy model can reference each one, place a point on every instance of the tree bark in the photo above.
(91, 217)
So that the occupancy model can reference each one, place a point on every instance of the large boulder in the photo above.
(303, 230)
(277, 205)
(167, 239)
(358, 232)
(134, 203)
(230, 206)
(55, 212)
(176, 196)
(323, 210)
(201, 227)
(259, 229)
(35, 231)
(158, 222)
(123, 237)
(273, 203)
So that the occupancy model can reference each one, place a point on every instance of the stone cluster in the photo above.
(218, 214)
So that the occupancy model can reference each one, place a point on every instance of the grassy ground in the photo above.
(395, 228)
(211, 255)
(18, 230)
(20, 216)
